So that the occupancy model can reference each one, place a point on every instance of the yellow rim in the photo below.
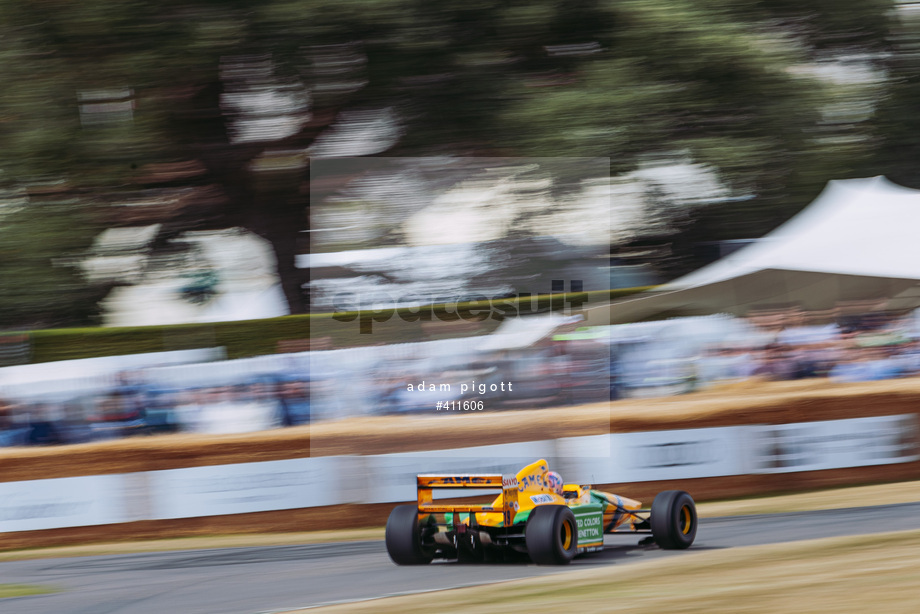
(686, 519)
(567, 535)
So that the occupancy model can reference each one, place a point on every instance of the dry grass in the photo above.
(23, 590)
(877, 573)
(835, 498)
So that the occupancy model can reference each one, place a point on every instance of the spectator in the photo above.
(266, 405)
(6, 416)
(189, 409)
(130, 396)
(114, 418)
(18, 428)
(776, 364)
(719, 364)
(908, 357)
(42, 429)
(867, 364)
(160, 410)
(12, 433)
(295, 402)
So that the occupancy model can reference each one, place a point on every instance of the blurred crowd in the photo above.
(858, 348)
(136, 409)
(566, 365)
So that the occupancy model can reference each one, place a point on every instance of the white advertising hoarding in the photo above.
(655, 455)
(322, 481)
(246, 487)
(834, 444)
(62, 502)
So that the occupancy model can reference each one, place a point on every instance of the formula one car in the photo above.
(536, 515)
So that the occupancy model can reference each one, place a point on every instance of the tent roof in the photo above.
(854, 227)
(858, 240)
(518, 333)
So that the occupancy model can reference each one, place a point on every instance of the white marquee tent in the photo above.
(858, 241)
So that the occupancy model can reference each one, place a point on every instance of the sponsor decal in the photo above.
(676, 454)
(530, 480)
(589, 527)
(461, 479)
(538, 499)
(63, 502)
(834, 444)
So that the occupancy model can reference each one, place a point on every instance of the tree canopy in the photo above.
(128, 101)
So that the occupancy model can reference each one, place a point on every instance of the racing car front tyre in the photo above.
(551, 535)
(673, 520)
(403, 539)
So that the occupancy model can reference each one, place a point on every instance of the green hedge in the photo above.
(257, 337)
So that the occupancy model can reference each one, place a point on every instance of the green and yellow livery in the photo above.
(531, 517)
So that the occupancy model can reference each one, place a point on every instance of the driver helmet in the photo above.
(554, 482)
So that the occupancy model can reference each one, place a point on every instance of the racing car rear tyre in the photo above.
(403, 538)
(551, 535)
(673, 520)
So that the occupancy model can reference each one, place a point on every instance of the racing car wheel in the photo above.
(673, 520)
(403, 538)
(551, 535)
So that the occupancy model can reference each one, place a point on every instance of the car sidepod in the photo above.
(589, 519)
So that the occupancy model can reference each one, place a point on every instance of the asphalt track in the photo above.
(271, 579)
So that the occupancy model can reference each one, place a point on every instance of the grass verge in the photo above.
(23, 590)
(832, 498)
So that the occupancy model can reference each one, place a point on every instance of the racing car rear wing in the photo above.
(508, 484)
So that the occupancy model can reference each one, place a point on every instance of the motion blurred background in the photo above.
(193, 163)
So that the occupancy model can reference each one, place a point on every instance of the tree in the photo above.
(225, 101)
